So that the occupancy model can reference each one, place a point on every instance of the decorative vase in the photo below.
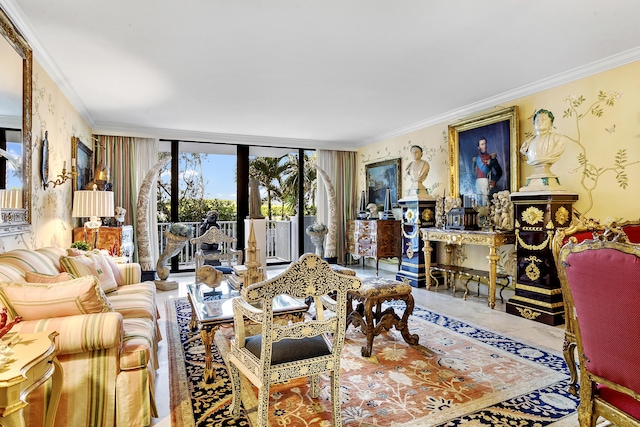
(362, 212)
(317, 238)
(175, 244)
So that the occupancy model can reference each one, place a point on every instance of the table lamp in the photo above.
(11, 198)
(93, 204)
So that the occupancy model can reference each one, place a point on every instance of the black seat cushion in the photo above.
(290, 350)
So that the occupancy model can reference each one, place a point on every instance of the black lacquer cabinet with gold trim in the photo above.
(416, 214)
(538, 295)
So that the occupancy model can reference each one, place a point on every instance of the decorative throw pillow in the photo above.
(75, 252)
(35, 301)
(91, 264)
(114, 268)
(32, 277)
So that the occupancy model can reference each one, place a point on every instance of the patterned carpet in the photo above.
(467, 377)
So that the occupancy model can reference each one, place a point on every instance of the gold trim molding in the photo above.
(540, 303)
(538, 290)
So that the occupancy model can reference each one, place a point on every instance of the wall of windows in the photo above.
(215, 177)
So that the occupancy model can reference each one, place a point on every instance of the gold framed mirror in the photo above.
(15, 203)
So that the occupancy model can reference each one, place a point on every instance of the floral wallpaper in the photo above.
(599, 114)
(51, 220)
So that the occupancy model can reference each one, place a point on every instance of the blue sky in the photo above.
(13, 179)
(218, 171)
(219, 166)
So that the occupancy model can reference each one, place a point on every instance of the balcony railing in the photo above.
(278, 243)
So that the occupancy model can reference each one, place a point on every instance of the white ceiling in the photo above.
(313, 73)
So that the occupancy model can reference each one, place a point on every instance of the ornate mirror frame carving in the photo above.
(18, 221)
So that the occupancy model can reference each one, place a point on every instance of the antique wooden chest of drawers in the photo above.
(118, 238)
(372, 238)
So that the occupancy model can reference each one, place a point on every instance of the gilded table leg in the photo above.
(466, 287)
(493, 260)
(193, 323)
(447, 261)
(56, 391)
(427, 262)
(207, 340)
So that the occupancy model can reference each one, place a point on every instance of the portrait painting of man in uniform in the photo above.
(484, 158)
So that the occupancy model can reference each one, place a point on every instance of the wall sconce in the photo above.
(64, 176)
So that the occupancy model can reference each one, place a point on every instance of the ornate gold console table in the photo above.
(491, 239)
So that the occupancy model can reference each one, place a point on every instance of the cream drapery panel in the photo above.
(129, 159)
(341, 168)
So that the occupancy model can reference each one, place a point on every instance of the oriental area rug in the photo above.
(459, 375)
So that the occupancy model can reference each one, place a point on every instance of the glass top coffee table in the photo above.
(212, 308)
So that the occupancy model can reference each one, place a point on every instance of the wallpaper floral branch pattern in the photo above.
(50, 208)
(591, 172)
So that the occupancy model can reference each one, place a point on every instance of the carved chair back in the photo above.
(600, 281)
(292, 350)
(581, 229)
(225, 251)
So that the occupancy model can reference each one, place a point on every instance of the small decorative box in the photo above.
(462, 219)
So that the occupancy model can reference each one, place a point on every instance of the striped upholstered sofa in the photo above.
(108, 351)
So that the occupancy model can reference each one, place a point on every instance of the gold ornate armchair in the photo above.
(307, 348)
(600, 281)
(225, 251)
(581, 229)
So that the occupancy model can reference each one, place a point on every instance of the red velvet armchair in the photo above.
(582, 229)
(600, 281)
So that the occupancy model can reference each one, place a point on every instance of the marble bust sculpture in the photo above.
(417, 170)
(542, 150)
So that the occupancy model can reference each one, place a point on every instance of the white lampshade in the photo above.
(11, 198)
(92, 203)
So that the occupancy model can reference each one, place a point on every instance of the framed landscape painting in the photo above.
(83, 158)
(483, 156)
(380, 176)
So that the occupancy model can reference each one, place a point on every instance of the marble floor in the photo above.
(474, 310)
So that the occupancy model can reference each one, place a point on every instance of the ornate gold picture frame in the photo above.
(497, 167)
(82, 158)
(380, 176)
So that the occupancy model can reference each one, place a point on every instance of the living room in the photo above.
(599, 163)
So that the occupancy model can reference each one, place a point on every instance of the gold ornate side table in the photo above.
(490, 239)
(33, 362)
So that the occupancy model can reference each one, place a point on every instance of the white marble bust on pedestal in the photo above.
(418, 170)
(542, 151)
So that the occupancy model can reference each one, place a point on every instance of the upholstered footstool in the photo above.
(369, 315)
(343, 270)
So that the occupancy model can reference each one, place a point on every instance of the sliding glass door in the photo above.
(210, 181)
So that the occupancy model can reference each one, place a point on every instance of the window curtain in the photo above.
(341, 168)
(129, 159)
